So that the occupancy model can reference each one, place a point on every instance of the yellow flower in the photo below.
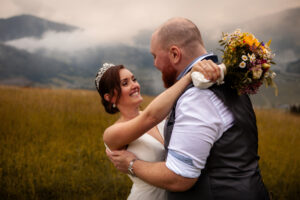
(266, 65)
(268, 43)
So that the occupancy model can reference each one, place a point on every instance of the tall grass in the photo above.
(279, 148)
(51, 147)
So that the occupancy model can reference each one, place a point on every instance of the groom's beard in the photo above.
(169, 76)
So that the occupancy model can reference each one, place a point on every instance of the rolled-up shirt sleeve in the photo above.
(200, 120)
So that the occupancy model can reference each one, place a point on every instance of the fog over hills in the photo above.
(58, 55)
(38, 52)
(29, 26)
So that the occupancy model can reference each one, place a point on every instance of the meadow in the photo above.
(51, 147)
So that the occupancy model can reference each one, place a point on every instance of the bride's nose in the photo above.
(135, 84)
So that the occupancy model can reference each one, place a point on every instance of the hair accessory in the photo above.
(100, 73)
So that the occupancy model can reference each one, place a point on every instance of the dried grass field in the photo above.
(51, 147)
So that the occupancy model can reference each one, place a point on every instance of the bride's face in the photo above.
(130, 89)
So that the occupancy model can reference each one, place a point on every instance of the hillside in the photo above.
(29, 26)
(76, 69)
(18, 67)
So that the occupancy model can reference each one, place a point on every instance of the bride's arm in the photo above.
(121, 134)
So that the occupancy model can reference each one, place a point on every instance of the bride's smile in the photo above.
(130, 90)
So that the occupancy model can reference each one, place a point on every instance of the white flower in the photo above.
(273, 75)
(252, 57)
(257, 72)
(244, 58)
(242, 64)
(267, 54)
(237, 31)
(272, 55)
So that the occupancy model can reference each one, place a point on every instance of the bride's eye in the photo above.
(134, 79)
(124, 83)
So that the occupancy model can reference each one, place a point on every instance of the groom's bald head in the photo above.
(174, 45)
(180, 32)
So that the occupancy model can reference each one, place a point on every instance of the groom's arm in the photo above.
(155, 173)
(159, 175)
(198, 125)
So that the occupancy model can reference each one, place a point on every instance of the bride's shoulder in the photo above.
(112, 132)
(108, 132)
(109, 135)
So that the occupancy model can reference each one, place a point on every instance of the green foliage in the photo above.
(51, 147)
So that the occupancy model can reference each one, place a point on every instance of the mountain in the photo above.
(46, 68)
(29, 26)
(20, 67)
(77, 69)
(86, 64)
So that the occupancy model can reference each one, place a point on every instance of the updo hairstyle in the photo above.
(110, 84)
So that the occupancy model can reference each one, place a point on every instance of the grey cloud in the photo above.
(119, 20)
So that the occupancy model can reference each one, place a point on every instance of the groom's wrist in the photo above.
(130, 167)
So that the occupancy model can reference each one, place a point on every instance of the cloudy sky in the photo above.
(119, 20)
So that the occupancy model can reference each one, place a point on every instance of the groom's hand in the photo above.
(121, 159)
(209, 69)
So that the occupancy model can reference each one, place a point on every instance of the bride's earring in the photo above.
(114, 105)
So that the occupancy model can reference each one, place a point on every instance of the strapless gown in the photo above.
(149, 149)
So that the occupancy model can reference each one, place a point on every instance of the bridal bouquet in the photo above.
(247, 61)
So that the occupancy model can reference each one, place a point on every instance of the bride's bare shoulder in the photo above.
(111, 133)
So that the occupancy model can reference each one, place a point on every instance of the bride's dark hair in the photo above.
(110, 84)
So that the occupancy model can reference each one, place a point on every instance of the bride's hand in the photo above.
(209, 69)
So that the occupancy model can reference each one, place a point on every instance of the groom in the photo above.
(210, 135)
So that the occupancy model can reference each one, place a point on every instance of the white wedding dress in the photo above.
(149, 149)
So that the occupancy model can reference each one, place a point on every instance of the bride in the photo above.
(120, 92)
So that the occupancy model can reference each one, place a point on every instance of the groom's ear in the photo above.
(174, 54)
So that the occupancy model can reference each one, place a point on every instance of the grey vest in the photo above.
(231, 170)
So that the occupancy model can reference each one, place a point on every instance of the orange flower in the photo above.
(251, 40)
